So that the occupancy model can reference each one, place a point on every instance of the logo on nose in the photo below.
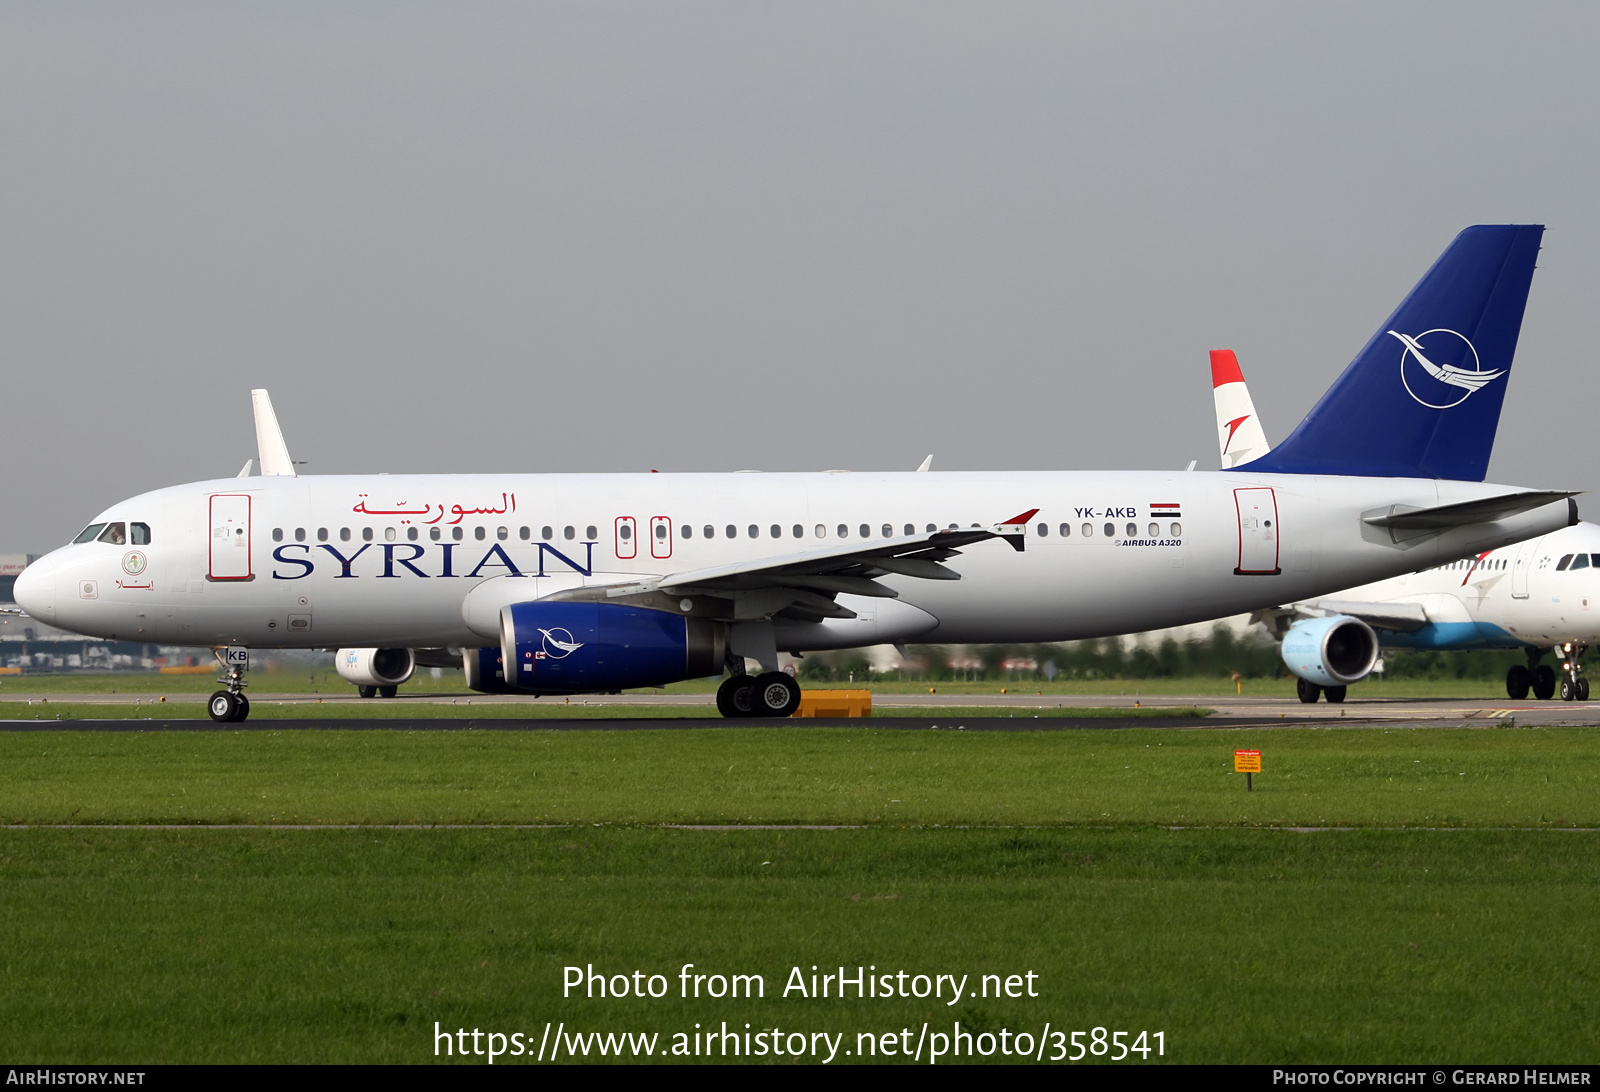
(134, 562)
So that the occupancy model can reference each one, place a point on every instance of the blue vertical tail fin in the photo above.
(1422, 399)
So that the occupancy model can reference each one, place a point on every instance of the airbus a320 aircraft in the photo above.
(1541, 594)
(574, 583)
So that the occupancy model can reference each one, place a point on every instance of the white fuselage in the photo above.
(1518, 596)
(390, 560)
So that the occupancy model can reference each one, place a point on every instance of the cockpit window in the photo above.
(90, 533)
(115, 533)
(139, 534)
(1580, 562)
(1561, 566)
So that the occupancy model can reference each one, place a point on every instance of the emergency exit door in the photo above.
(1258, 532)
(230, 537)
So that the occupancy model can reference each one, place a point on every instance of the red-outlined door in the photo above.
(660, 537)
(1258, 532)
(230, 537)
(627, 536)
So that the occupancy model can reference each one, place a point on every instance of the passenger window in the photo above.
(322, 534)
(115, 533)
(1133, 530)
(1580, 562)
(277, 534)
(546, 533)
(458, 533)
(366, 534)
(799, 531)
(480, 533)
(866, 531)
(1111, 530)
(1044, 530)
(931, 528)
(911, 529)
(344, 534)
(299, 534)
(90, 533)
(1088, 530)
(822, 532)
(755, 532)
(777, 532)
(687, 532)
(139, 534)
(1155, 530)
(661, 531)
(709, 531)
(1177, 530)
(389, 534)
(888, 531)
(592, 533)
(1066, 530)
(433, 533)
(733, 532)
(501, 533)
(524, 533)
(411, 533)
(625, 531)
(1561, 566)
(568, 533)
(844, 531)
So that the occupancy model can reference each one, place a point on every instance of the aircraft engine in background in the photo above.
(375, 670)
(565, 647)
(482, 668)
(1327, 654)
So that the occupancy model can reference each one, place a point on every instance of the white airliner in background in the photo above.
(577, 583)
(1540, 594)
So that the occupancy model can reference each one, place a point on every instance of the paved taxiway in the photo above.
(1024, 712)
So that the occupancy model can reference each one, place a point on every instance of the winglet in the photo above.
(274, 453)
(1015, 529)
(926, 465)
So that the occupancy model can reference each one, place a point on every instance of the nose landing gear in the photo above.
(230, 706)
(1574, 687)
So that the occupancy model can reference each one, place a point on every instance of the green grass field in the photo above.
(1454, 924)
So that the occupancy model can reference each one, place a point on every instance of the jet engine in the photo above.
(375, 666)
(482, 667)
(1330, 651)
(586, 648)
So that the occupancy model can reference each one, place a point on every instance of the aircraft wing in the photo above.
(803, 585)
(1404, 617)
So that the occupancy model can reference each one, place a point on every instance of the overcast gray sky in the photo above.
(712, 236)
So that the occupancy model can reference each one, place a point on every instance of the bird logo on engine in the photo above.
(558, 643)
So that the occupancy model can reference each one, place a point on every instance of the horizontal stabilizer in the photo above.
(1401, 517)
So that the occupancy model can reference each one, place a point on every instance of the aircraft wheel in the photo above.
(1334, 694)
(1568, 691)
(1544, 682)
(366, 691)
(736, 696)
(388, 691)
(775, 695)
(1308, 691)
(1518, 679)
(1583, 688)
(243, 711)
(223, 706)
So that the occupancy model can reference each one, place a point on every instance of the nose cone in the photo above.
(35, 589)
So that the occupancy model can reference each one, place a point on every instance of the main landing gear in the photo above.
(1541, 678)
(229, 706)
(377, 691)
(772, 694)
(1310, 691)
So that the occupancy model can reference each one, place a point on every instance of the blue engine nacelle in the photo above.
(484, 671)
(1331, 651)
(587, 648)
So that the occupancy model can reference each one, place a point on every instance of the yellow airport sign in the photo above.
(1247, 762)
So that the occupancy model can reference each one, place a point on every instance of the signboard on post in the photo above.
(1249, 764)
